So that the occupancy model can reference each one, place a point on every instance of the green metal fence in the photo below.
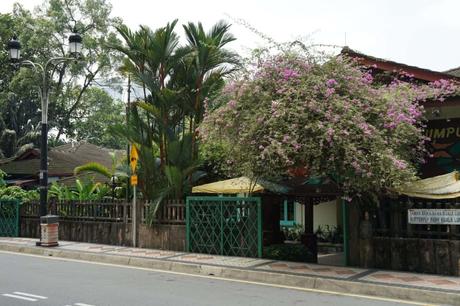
(224, 226)
(9, 218)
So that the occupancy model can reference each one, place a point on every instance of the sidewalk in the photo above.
(397, 285)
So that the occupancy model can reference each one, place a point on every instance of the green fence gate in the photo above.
(224, 226)
(9, 218)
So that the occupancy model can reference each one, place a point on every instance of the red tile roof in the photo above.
(62, 159)
(391, 66)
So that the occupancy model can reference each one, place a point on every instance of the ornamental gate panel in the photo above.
(224, 226)
(9, 218)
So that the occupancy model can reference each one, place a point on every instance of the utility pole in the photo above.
(128, 109)
(134, 220)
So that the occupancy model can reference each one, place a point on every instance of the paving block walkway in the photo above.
(391, 278)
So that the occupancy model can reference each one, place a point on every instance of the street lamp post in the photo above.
(75, 45)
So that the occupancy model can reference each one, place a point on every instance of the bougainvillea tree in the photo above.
(293, 115)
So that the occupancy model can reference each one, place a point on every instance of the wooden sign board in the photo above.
(444, 145)
(433, 216)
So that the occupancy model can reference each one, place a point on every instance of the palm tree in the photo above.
(138, 132)
(178, 79)
(117, 170)
(152, 58)
(210, 62)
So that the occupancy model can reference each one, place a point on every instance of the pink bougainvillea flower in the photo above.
(331, 83)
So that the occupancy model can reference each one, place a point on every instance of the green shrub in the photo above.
(331, 234)
(289, 252)
(17, 193)
(293, 233)
(2, 178)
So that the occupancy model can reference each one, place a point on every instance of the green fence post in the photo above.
(9, 218)
(18, 224)
(221, 228)
(187, 224)
(259, 228)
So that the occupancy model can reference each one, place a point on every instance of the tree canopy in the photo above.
(296, 115)
(43, 34)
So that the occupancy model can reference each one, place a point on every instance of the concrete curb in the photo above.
(307, 282)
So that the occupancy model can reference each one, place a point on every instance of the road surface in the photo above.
(35, 281)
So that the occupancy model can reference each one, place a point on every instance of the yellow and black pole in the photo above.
(133, 163)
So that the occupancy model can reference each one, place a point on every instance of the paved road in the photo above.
(35, 281)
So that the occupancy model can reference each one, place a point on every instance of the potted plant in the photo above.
(293, 234)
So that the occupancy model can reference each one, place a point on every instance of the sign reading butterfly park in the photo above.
(434, 216)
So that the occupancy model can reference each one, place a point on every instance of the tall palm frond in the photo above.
(95, 168)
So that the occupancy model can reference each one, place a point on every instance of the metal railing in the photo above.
(9, 218)
(224, 226)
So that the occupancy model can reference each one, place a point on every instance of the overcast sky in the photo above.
(424, 33)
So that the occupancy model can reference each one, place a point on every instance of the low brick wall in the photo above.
(158, 236)
(109, 222)
(162, 236)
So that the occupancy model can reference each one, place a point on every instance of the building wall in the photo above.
(323, 214)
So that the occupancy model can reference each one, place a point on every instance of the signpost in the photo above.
(133, 163)
(433, 216)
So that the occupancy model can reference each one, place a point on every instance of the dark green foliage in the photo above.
(293, 233)
(17, 193)
(289, 252)
(8, 142)
(42, 33)
(97, 112)
(332, 234)
(84, 190)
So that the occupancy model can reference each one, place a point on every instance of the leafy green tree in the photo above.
(91, 121)
(42, 34)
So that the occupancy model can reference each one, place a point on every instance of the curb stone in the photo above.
(307, 282)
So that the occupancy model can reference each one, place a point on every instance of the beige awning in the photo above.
(231, 186)
(446, 186)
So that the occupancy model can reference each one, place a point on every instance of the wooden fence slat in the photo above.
(171, 212)
(395, 211)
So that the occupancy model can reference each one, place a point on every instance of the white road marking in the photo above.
(368, 297)
(20, 297)
(31, 295)
(83, 304)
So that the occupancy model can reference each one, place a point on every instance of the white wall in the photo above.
(323, 214)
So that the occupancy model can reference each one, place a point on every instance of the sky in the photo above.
(423, 33)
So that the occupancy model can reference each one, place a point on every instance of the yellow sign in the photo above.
(134, 157)
(133, 180)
